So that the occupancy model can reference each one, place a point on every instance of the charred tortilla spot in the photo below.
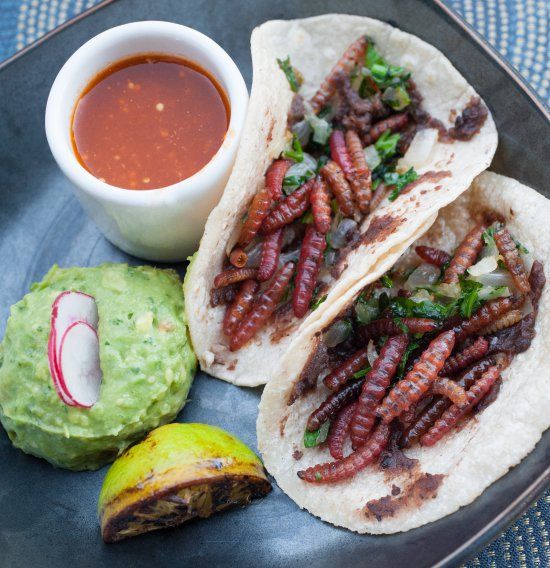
(431, 176)
(318, 360)
(424, 487)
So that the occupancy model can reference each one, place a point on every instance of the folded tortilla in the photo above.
(468, 459)
(445, 171)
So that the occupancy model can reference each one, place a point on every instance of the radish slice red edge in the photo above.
(52, 360)
(80, 372)
(69, 307)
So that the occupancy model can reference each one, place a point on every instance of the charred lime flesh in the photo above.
(179, 472)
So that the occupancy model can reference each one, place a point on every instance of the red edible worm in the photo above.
(377, 380)
(387, 326)
(333, 404)
(419, 379)
(509, 251)
(465, 255)
(378, 196)
(450, 418)
(274, 178)
(238, 258)
(233, 275)
(339, 430)
(339, 153)
(449, 389)
(361, 183)
(353, 54)
(507, 320)
(269, 259)
(537, 280)
(292, 207)
(435, 409)
(432, 255)
(258, 211)
(320, 205)
(346, 370)
(309, 264)
(352, 464)
(241, 306)
(466, 357)
(395, 122)
(262, 308)
(486, 314)
(334, 175)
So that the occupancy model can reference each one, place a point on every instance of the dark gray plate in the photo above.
(47, 516)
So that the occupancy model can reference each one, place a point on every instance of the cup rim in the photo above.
(194, 186)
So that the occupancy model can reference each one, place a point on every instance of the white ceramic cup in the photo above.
(158, 224)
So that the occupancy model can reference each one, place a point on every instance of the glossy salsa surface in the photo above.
(149, 121)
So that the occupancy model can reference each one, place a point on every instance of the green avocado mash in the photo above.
(146, 360)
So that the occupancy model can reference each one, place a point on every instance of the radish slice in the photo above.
(52, 360)
(80, 372)
(68, 308)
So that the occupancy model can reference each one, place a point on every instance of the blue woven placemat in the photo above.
(519, 30)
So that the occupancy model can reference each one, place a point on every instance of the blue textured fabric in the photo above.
(519, 30)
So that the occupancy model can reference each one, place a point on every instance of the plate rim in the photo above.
(537, 487)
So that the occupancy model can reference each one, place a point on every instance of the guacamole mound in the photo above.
(146, 359)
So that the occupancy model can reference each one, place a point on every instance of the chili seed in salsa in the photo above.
(149, 121)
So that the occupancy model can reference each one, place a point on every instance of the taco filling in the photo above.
(420, 352)
(341, 162)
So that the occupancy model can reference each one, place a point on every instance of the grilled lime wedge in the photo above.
(178, 472)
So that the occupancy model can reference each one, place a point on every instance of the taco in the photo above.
(357, 134)
(417, 391)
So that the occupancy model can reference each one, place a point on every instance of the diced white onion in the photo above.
(422, 296)
(498, 277)
(372, 354)
(372, 157)
(449, 290)
(420, 150)
(424, 275)
(490, 292)
(484, 266)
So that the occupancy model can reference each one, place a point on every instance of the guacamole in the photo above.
(145, 355)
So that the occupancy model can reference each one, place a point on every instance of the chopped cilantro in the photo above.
(386, 145)
(399, 323)
(383, 302)
(372, 56)
(384, 74)
(360, 374)
(387, 282)
(290, 73)
(469, 298)
(296, 153)
(406, 308)
(400, 181)
(521, 247)
(489, 237)
(366, 310)
(397, 97)
(307, 218)
(410, 348)
(316, 302)
(316, 437)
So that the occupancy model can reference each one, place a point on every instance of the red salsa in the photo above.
(149, 121)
